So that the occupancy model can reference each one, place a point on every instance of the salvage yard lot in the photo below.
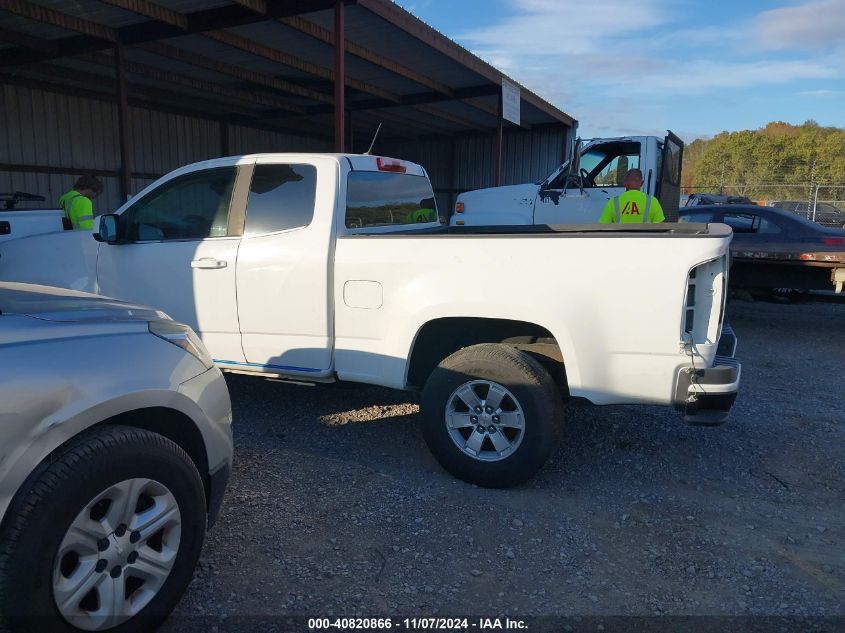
(337, 508)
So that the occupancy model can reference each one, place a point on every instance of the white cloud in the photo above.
(824, 93)
(563, 27)
(704, 75)
(818, 25)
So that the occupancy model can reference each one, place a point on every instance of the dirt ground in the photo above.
(337, 508)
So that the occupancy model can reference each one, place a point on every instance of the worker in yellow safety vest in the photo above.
(77, 204)
(426, 212)
(633, 206)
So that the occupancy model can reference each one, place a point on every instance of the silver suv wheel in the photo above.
(117, 554)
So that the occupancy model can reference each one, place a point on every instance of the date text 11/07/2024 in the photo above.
(415, 624)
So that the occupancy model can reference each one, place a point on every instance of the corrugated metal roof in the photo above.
(99, 12)
(183, 108)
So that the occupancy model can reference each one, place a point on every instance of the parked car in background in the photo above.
(822, 213)
(773, 248)
(115, 450)
(696, 199)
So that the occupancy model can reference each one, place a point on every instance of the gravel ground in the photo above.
(337, 508)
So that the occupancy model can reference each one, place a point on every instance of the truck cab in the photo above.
(578, 190)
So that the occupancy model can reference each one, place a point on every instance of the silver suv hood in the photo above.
(59, 304)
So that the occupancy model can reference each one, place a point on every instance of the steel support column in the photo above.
(339, 76)
(497, 147)
(123, 125)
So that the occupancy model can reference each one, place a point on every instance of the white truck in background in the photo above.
(15, 223)
(318, 267)
(577, 191)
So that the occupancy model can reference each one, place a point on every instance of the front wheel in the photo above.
(491, 415)
(103, 536)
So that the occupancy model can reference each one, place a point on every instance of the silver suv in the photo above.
(115, 450)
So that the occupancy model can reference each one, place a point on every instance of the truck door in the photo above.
(283, 272)
(178, 254)
(669, 182)
(580, 197)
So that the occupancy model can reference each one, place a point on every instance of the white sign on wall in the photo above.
(510, 101)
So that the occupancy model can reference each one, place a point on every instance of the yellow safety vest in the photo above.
(633, 206)
(78, 209)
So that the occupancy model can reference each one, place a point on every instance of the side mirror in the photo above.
(108, 229)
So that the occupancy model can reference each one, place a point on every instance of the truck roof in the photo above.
(361, 162)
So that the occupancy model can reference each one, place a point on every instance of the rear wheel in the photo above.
(105, 536)
(491, 415)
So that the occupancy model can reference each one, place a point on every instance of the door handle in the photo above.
(208, 262)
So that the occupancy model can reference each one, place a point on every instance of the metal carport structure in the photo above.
(129, 89)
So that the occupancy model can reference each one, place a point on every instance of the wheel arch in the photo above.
(175, 426)
(169, 422)
(439, 338)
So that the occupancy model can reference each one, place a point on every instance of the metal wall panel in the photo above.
(74, 134)
(58, 131)
(244, 140)
(162, 141)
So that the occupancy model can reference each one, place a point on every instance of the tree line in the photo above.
(753, 162)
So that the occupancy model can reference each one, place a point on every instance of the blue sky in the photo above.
(642, 66)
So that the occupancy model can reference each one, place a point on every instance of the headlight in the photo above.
(184, 337)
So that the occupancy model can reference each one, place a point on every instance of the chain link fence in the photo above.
(819, 202)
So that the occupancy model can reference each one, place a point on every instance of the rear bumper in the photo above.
(706, 395)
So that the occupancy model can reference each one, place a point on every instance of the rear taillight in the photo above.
(834, 241)
(704, 304)
(389, 164)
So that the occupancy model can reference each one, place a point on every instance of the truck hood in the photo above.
(59, 304)
(514, 204)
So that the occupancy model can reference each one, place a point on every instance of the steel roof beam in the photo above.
(168, 77)
(97, 37)
(152, 10)
(239, 72)
(258, 6)
(46, 15)
(273, 54)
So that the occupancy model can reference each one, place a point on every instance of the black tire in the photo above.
(531, 385)
(59, 489)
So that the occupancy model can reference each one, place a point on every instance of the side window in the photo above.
(699, 216)
(742, 222)
(605, 166)
(191, 207)
(376, 198)
(613, 173)
(281, 197)
(768, 227)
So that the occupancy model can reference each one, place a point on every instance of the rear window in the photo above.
(375, 198)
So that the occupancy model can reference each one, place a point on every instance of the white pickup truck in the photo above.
(577, 191)
(323, 267)
(15, 223)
